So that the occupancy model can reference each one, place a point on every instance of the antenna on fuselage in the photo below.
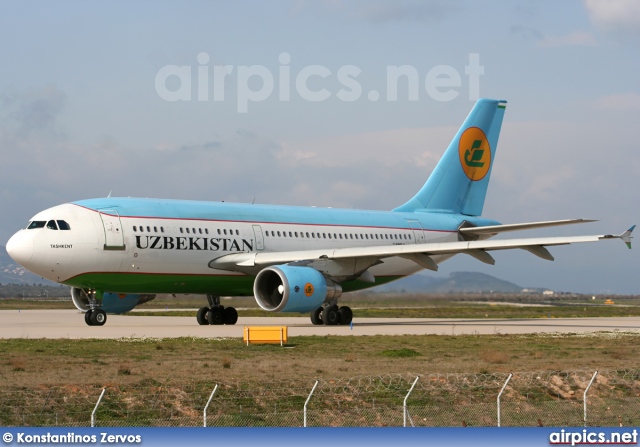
(109, 195)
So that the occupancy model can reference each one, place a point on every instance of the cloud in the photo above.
(615, 14)
(378, 11)
(625, 102)
(525, 33)
(576, 38)
(30, 112)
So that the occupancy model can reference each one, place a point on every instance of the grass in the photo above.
(158, 379)
(30, 362)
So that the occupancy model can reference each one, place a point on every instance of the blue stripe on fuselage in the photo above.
(239, 212)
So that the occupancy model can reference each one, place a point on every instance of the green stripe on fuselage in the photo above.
(225, 285)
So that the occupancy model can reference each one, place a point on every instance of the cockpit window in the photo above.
(52, 225)
(36, 224)
(63, 225)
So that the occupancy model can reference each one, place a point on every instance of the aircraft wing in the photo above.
(419, 253)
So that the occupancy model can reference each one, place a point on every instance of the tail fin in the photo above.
(458, 184)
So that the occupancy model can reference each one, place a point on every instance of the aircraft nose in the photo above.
(20, 248)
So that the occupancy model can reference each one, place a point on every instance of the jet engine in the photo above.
(286, 288)
(111, 303)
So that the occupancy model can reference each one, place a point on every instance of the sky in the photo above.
(299, 103)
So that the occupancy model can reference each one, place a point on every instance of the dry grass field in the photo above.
(31, 362)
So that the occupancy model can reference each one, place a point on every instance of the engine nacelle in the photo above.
(111, 303)
(286, 288)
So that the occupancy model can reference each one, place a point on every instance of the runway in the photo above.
(70, 324)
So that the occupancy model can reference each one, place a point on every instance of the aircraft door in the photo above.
(113, 237)
(257, 231)
(418, 233)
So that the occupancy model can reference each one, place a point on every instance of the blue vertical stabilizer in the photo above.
(458, 184)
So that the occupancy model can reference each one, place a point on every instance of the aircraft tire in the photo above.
(201, 316)
(98, 317)
(87, 317)
(330, 316)
(346, 315)
(215, 316)
(230, 315)
(316, 316)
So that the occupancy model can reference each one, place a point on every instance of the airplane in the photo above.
(117, 253)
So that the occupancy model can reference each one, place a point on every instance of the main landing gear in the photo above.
(216, 313)
(95, 317)
(332, 315)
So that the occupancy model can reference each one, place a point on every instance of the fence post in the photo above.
(404, 405)
(204, 413)
(500, 394)
(307, 402)
(584, 397)
(93, 414)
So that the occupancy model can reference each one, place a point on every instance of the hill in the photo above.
(12, 273)
(456, 282)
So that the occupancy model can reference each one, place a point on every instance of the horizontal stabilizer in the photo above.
(495, 229)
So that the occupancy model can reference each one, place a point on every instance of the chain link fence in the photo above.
(550, 398)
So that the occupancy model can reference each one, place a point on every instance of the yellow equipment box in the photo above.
(265, 334)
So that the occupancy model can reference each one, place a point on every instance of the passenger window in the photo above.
(237, 232)
(155, 229)
(200, 230)
(187, 231)
(219, 231)
(52, 225)
(161, 229)
(206, 231)
(194, 230)
(135, 229)
(63, 225)
(296, 234)
(307, 234)
(278, 234)
(148, 229)
(180, 229)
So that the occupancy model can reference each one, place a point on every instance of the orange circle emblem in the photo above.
(475, 153)
(308, 289)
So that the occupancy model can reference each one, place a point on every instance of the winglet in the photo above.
(626, 236)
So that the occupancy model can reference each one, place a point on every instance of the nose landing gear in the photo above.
(95, 317)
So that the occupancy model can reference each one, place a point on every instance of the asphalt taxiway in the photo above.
(70, 324)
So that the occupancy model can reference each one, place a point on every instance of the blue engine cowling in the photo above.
(111, 303)
(286, 288)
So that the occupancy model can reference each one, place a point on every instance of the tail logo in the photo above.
(475, 153)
